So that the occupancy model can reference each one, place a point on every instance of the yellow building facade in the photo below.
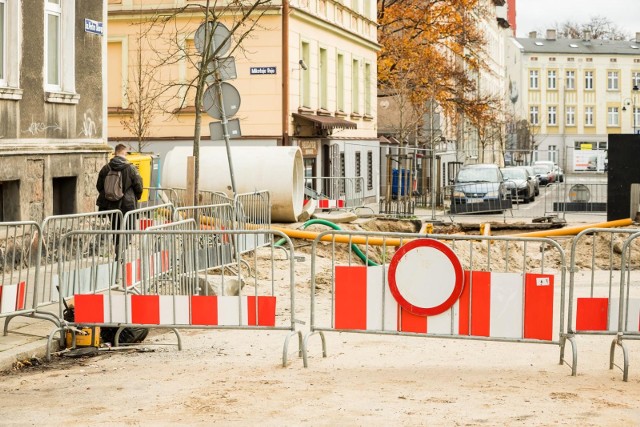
(306, 76)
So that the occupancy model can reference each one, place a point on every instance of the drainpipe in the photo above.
(285, 72)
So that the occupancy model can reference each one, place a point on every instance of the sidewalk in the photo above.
(27, 338)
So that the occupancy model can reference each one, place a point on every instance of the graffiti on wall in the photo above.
(36, 128)
(88, 129)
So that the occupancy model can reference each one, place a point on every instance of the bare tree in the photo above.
(240, 16)
(143, 91)
(599, 26)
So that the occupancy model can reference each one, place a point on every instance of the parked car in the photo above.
(479, 188)
(534, 178)
(519, 184)
(558, 173)
(544, 173)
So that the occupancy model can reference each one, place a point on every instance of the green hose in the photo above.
(354, 247)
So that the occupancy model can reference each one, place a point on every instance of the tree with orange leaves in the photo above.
(434, 49)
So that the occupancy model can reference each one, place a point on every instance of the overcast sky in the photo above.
(539, 14)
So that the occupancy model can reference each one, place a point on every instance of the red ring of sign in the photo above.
(457, 267)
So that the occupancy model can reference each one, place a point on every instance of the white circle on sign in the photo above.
(425, 277)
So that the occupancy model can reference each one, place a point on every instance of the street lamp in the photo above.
(632, 101)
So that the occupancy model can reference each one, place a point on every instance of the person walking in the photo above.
(119, 187)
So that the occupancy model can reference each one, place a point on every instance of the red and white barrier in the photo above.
(175, 310)
(497, 305)
(331, 204)
(592, 314)
(158, 264)
(12, 297)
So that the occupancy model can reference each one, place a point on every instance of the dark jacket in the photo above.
(131, 186)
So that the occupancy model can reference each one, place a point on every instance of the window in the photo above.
(53, 46)
(324, 68)
(588, 80)
(355, 86)
(553, 153)
(635, 79)
(115, 81)
(552, 116)
(636, 118)
(305, 79)
(612, 80)
(367, 9)
(613, 118)
(10, 200)
(64, 195)
(533, 115)
(571, 80)
(340, 82)
(369, 170)
(358, 184)
(533, 79)
(571, 116)
(551, 79)
(59, 51)
(588, 116)
(367, 89)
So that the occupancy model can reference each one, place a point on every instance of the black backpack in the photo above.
(113, 185)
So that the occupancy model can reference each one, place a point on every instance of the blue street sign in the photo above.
(94, 27)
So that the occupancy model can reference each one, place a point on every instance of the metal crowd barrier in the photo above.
(208, 217)
(143, 218)
(19, 271)
(53, 228)
(159, 196)
(213, 217)
(596, 281)
(205, 197)
(475, 197)
(629, 306)
(335, 193)
(500, 289)
(252, 211)
(583, 197)
(168, 290)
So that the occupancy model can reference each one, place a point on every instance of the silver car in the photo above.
(519, 184)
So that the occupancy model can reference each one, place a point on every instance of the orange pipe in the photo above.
(338, 238)
(572, 231)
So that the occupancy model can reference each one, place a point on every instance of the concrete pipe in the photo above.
(279, 170)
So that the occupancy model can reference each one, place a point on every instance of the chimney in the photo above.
(533, 34)
(587, 35)
(638, 37)
(551, 34)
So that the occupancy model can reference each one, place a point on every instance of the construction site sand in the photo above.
(236, 378)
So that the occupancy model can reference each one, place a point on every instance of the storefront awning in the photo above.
(325, 122)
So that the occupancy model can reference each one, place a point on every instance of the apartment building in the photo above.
(306, 76)
(486, 145)
(574, 93)
(51, 106)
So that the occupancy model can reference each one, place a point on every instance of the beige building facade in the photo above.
(306, 76)
(574, 93)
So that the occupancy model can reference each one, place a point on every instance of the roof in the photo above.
(581, 47)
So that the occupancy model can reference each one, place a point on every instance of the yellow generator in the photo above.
(148, 167)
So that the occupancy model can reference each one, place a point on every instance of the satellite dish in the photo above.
(230, 99)
(220, 34)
